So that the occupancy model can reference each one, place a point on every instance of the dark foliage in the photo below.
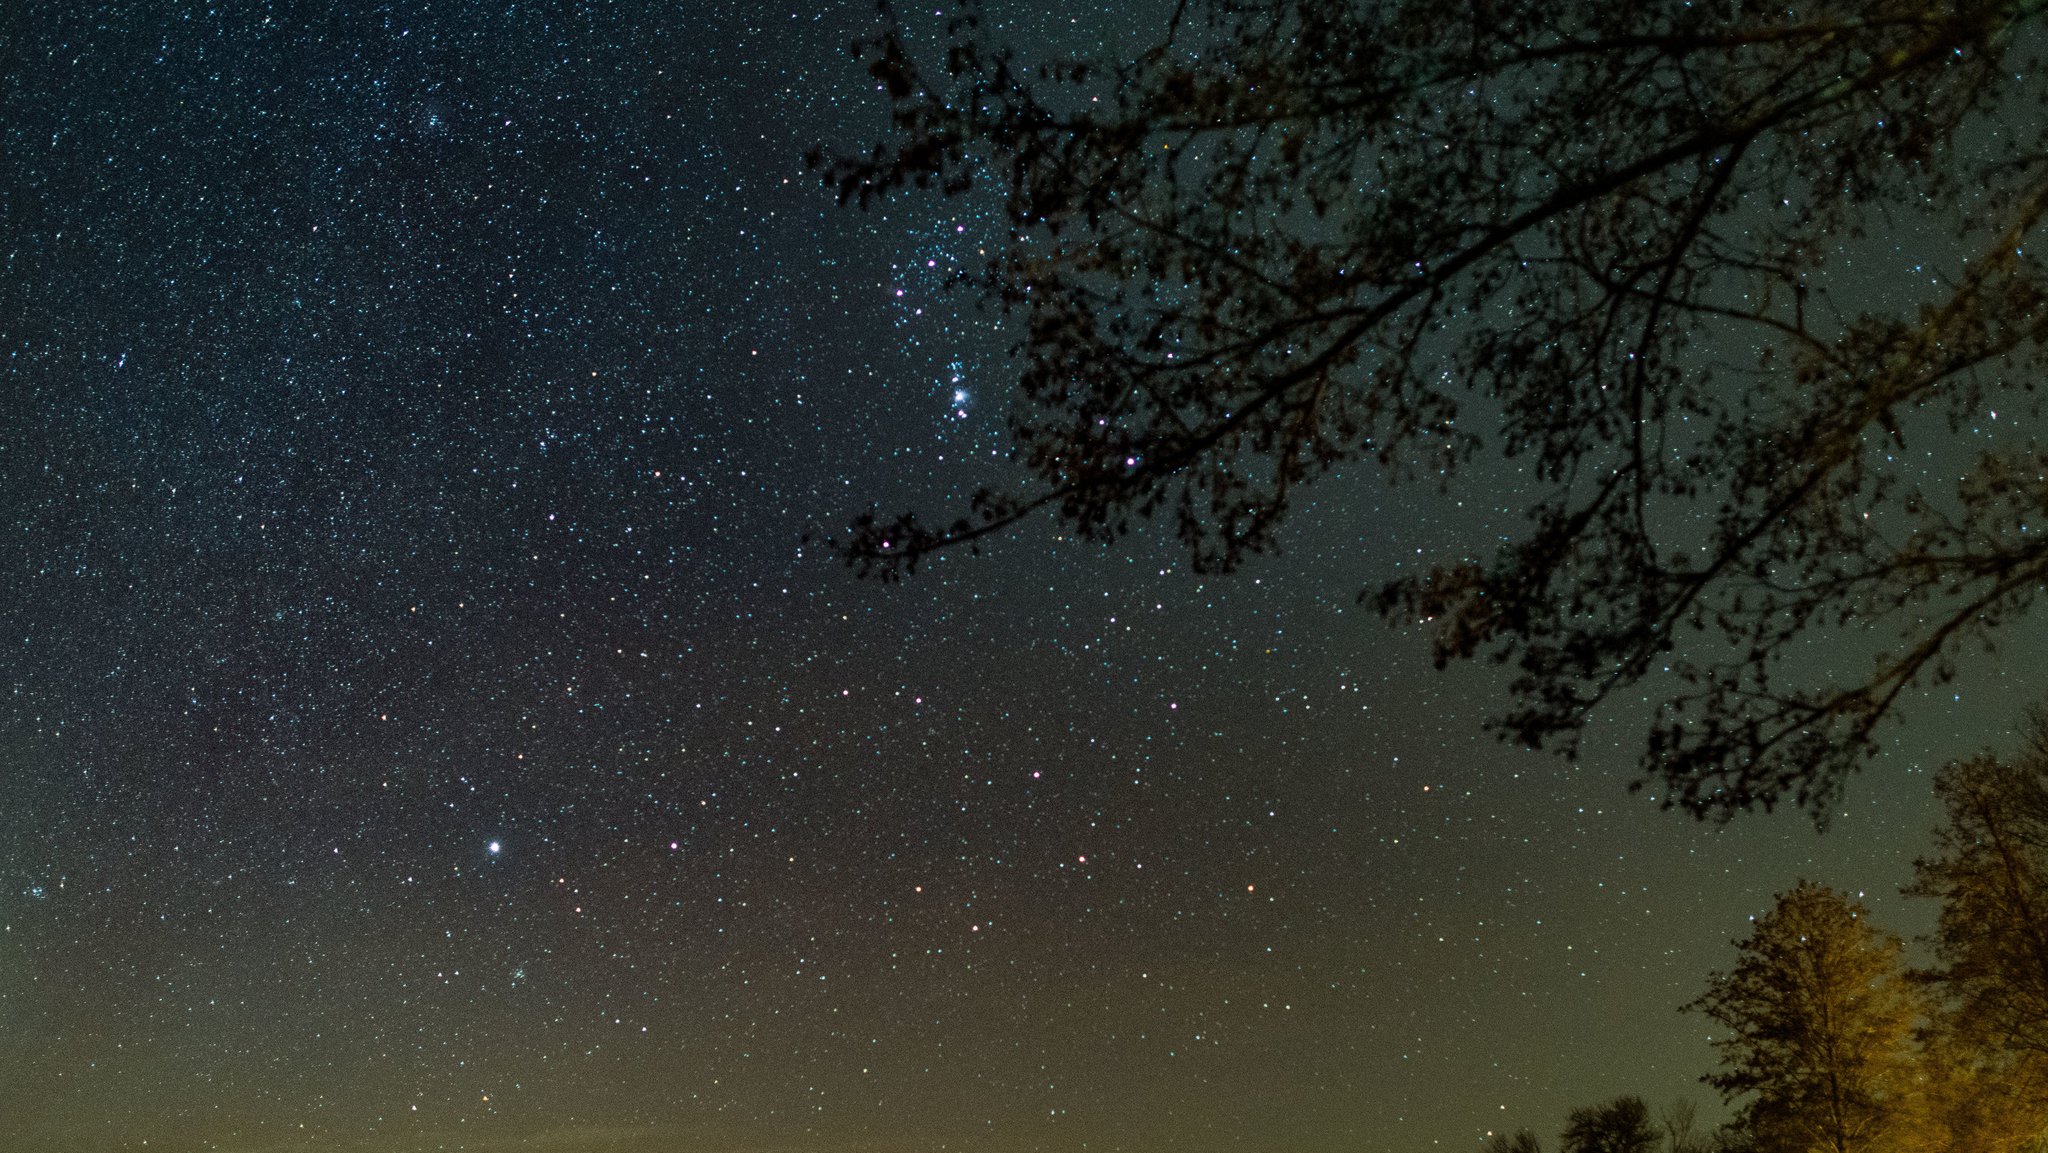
(1619, 1126)
(1992, 942)
(1990, 872)
(1591, 238)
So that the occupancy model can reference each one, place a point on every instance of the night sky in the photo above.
(424, 725)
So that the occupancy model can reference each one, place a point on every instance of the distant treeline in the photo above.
(1830, 1043)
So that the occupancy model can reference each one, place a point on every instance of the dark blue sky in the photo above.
(424, 725)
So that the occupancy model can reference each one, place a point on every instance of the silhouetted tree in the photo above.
(1520, 1141)
(1682, 1134)
(1990, 872)
(1819, 1019)
(1594, 238)
(1618, 1126)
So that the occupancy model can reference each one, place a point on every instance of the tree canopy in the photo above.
(1819, 1020)
(1602, 242)
(1618, 1126)
(1992, 941)
(1990, 872)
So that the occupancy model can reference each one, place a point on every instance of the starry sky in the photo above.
(425, 724)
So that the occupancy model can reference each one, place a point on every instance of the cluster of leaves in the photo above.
(1591, 238)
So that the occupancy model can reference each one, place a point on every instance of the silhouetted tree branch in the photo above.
(1592, 239)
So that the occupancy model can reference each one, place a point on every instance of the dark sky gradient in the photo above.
(423, 725)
